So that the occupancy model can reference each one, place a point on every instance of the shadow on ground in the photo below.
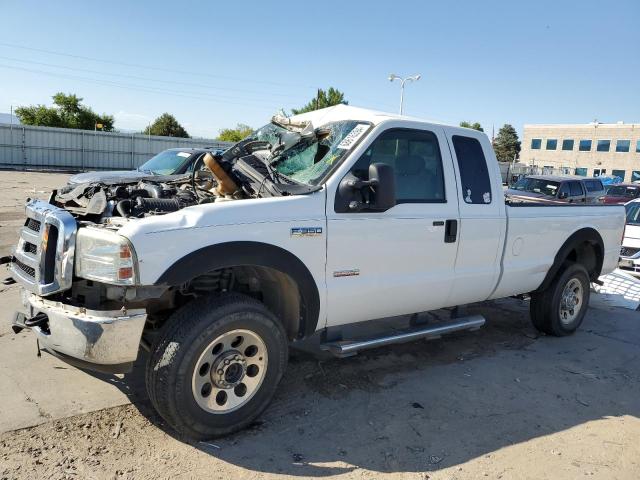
(425, 406)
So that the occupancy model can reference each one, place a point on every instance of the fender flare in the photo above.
(257, 254)
(584, 235)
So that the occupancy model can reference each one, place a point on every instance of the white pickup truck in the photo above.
(316, 221)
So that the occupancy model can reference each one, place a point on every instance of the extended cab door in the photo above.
(482, 216)
(398, 261)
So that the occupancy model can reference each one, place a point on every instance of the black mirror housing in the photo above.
(383, 181)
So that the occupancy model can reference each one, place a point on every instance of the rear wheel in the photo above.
(560, 309)
(216, 365)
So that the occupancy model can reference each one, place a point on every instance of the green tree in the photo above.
(474, 126)
(166, 125)
(323, 99)
(234, 135)
(67, 112)
(506, 144)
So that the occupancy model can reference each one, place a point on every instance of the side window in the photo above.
(416, 161)
(576, 189)
(564, 191)
(474, 174)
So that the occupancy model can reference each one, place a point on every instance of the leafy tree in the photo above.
(234, 135)
(166, 125)
(67, 112)
(506, 144)
(323, 99)
(474, 126)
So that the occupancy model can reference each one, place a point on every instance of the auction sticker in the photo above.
(353, 136)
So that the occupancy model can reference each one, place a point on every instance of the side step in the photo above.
(346, 348)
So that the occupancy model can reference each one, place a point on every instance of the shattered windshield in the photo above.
(165, 163)
(308, 158)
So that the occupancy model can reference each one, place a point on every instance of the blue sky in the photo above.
(215, 64)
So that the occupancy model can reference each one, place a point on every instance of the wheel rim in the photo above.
(229, 371)
(571, 301)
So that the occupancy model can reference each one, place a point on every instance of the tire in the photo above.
(186, 370)
(553, 316)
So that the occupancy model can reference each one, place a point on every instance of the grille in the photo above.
(45, 270)
(33, 224)
(25, 268)
(30, 248)
(629, 251)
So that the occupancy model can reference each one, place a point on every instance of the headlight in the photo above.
(105, 256)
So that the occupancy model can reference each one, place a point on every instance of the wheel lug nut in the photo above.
(220, 371)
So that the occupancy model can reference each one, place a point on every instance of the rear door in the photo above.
(576, 192)
(482, 216)
(399, 261)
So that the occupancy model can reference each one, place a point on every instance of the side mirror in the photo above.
(383, 182)
(378, 193)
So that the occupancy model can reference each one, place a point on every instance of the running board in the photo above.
(346, 348)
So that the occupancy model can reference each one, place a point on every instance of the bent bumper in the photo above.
(100, 340)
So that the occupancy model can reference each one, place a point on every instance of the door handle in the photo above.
(438, 223)
(450, 231)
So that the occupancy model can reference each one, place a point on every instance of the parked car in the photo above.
(556, 189)
(622, 193)
(630, 251)
(174, 162)
(304, 231)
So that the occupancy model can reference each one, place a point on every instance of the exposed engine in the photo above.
(155, 195)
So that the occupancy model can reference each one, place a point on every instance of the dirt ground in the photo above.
(502, 402)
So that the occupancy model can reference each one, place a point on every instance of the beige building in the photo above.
(591, 150)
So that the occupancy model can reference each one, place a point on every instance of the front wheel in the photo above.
(560, 309)
(216, 365)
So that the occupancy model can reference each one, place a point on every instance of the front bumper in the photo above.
(102, 340)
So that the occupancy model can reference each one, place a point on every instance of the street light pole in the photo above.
(412, 78)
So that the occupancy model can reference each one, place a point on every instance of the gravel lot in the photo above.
(502, 402)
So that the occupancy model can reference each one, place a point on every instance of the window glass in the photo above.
(638, 146)
(584, 146)
(629, 192)
(603, 145)
(567, 144)
(552, 144)
(635, 176)
(165, 163)
(623, 145)
(581, 171)
(536, 143)
(474, 174)
(599, 171)
(537, 185)
(633, 213)
(593, 185)
(618, 173)
(576, 189)
(565, 191)
(416, 161)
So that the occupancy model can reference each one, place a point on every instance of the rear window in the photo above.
(537, 185)
(474, 175)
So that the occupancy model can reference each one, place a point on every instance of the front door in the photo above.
(398, 261)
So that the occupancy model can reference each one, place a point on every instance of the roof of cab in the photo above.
(559, 178)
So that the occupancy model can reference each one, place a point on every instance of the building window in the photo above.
(567, 144)
(536, 143)
(603, 145)
(584, 146)
(599, 171)
(623, 145)
(635, 176)
(581, 171)
(618, 173)
(552, 143)
(638, 146)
